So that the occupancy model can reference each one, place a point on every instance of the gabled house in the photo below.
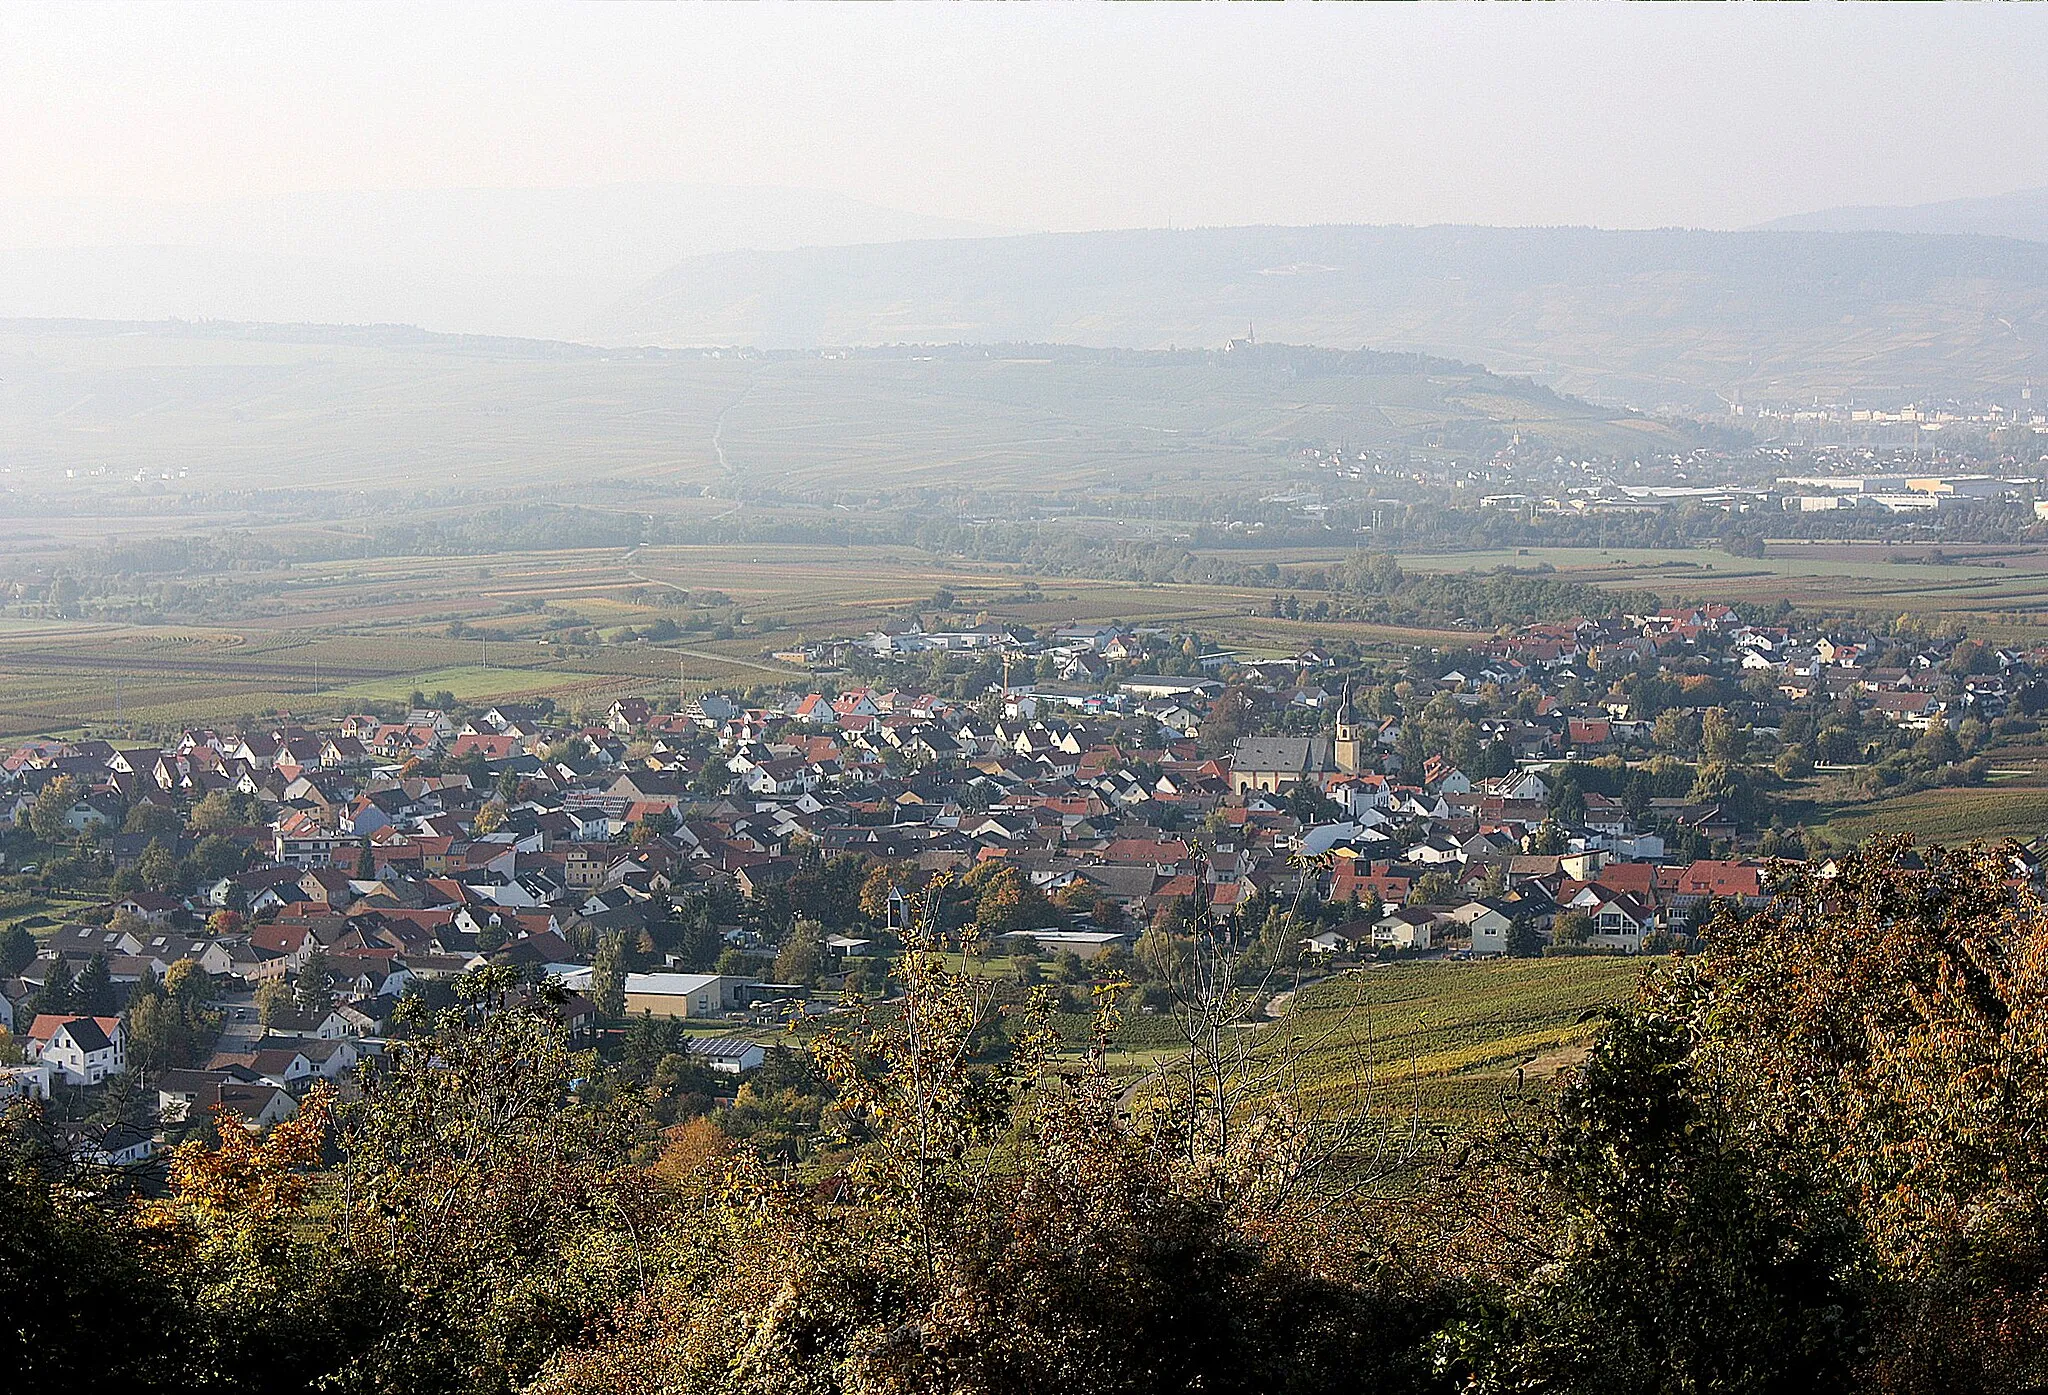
(1620, 921)
(1488, 925)
(237, 1092)
(629, 714)
(1705, 879)
(815, 711)
(1405, 927)
(79, 1050)
(728, 1055)
(1336, 941)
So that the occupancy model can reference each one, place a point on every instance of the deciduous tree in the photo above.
(47, 815)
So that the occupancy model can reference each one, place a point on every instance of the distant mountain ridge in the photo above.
(1655, 319)
(517, 262)
(2021, 214)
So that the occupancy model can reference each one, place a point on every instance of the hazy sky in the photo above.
(1052, 115)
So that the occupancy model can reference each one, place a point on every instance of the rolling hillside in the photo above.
(202, 409)
(1649, 318)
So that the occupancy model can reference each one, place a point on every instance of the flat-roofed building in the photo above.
(686, 995)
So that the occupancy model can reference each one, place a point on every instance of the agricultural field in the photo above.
(319, 638)
(140, 677)
(1438, 1041)
(41, 912)
(1948, 816)
(1430, 1045)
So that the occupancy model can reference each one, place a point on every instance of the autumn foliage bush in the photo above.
(1812, 1158)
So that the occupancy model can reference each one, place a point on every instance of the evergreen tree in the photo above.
(313, 994)
(60, 993)
(94, 993)
(17, 950)
(700, 943)
(1524, 940)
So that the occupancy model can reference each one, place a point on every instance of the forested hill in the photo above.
(1668, 317)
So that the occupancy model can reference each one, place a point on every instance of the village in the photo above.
(255, 913)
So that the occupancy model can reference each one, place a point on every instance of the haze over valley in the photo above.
(1053, 699)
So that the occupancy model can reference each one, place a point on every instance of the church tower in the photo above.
(1348, 752)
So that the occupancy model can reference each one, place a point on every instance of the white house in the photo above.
(1405, 928)
(162, 951)
(278, 1060)
(79, 1050)
(816, 711)
(1522, 784)
(124, 1145)
(1436, 852)
(87, 814)
(1489, 926)
(1619, 920)
(331, 1057)
(183, 1095)
(257, 1105)
(1086, 943)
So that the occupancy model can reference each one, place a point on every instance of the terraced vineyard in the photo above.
(1950, 816)
(1439, 1041)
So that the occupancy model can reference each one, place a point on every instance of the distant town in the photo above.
(240, 916)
